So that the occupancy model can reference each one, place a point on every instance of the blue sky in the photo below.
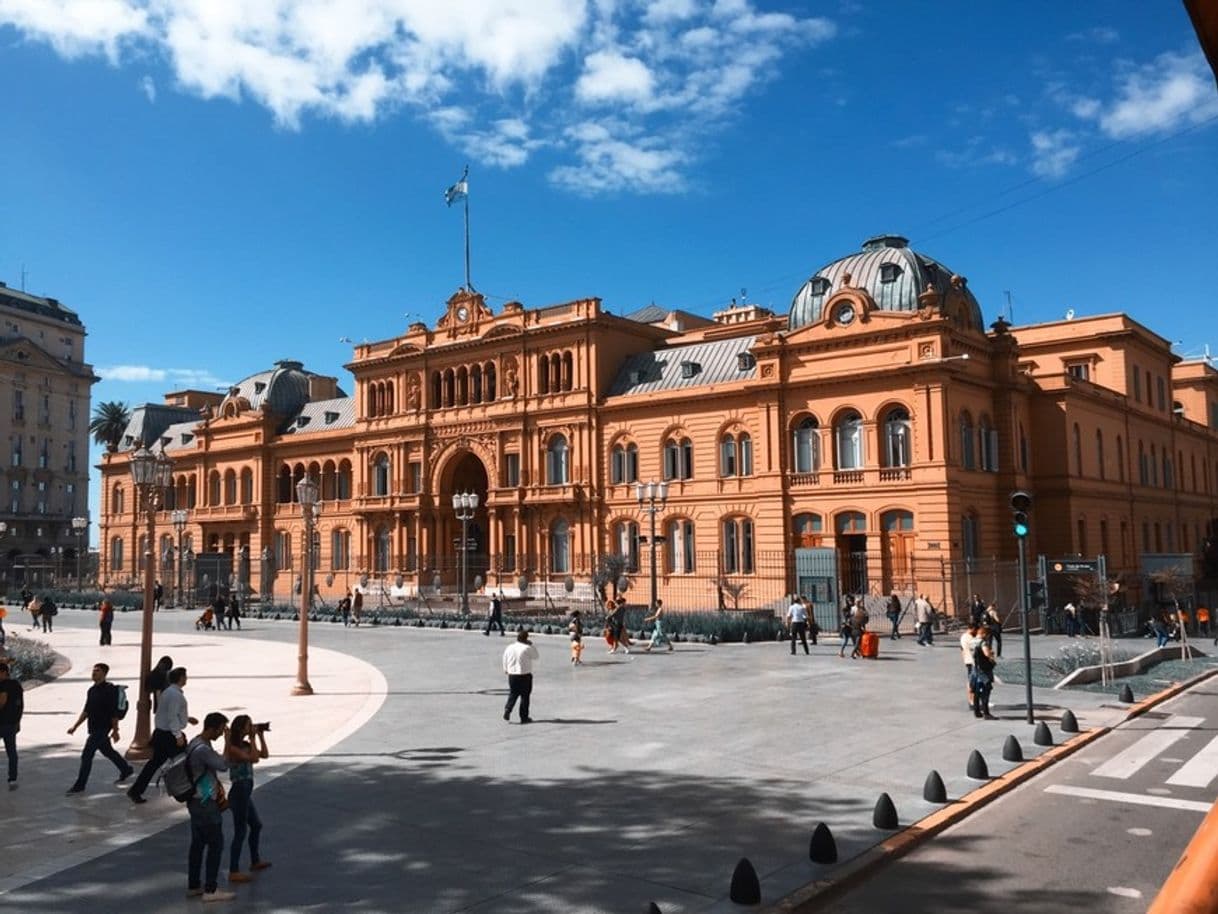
(216, 185)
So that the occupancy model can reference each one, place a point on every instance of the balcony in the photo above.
(801, 480)
(895, 474)
(849, 477)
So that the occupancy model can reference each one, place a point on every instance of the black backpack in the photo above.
(179, 778)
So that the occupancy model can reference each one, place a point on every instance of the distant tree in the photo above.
(734, 590)
(108, 424)
(1172, 583)
(609, 570)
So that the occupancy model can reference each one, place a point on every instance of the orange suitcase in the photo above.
(870, 646)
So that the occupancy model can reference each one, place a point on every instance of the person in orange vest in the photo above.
(1203, 621)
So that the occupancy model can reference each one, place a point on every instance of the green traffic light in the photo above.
(1021, 530)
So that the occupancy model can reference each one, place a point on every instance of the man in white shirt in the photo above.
(168, 735)
(518, 661)
(924, 615)
(797, 622)
(968, 644)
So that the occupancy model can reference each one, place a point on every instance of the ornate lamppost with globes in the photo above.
(150, 474)
(79, 526)
(648, 495)
(179, 517)
(310, 509)
(464, 506)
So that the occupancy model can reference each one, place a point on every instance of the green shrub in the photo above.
(28, 659)
(1074, 656)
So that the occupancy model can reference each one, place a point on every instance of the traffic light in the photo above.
(1021, 504)
(1036, 595)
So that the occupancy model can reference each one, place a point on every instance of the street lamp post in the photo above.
(179, 517)
(652, 497)
(150, 475)
(464, 505)
(310, 508)
(79, 526)
(4, 530)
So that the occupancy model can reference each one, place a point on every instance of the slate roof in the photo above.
(649, 314)
(715, 362)
(181, 436)
(323, 415)
(282, 390)
(148, 423)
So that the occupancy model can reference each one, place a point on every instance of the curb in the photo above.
(1170, 692)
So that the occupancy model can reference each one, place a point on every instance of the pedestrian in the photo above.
(169, 732)
(219, 608)
(575, 628)
(12, 706)
(518, 662)
(357, 605)
(234, 611)
(102, 713)
(797, 623)
(968, 644)
(983, 681)
(1070, 611)
(494, 614)
(30, 605)
(993, 629)
(105, 619)
(894, 615)
(206, 812)
(924, 615)
(243, 749)
(344, 609)
(158, 680)
(158, 594)
(813, 627)
(657, 634)
(1161, 632)
(47, 611)
(1203, 621)
(858, 623)
(977, 610)
(615, 622)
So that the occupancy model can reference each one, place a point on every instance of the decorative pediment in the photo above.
(402, 349)
(466, 310)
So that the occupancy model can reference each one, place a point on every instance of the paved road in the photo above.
(1098, 832)
(646, 777)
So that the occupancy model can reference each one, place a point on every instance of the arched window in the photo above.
(343, 480)
(558, 469)
(390, 398)
(850, 522)
(213, 487)
(727, 456)
(437, 390)
(116, 501)
(1077, 442)
(807, 529)
(681, 557)
(968, 454)
(744, 445)
(897, 449)
(283, 549)
(568, 371)
(450, 386)
(380, 475)
(488, 374)
(192, 489)
(987, 439)
(116, 553)
(848, 435)
(340, 549)
(806, 446)
(626, 541)
(370, 407)
(543, 375)
(1099, 452)
(678, 458)
(969, 544)
(475, 383)
(283, 494)
(383, 549)
(624, 464)
(247, 486)
(462, 386)
(1143, 469)
(230, 487)
(737, 544)
(560, 547)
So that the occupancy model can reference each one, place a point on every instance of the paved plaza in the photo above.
(398, 787)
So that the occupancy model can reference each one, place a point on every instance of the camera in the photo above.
(263, 728)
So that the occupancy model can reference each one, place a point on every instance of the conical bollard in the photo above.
(1126, 694)
(746, 887)
(1069, 722)
(822, 848)
(1011, 751)
(885, 814)
(1042, 736)
(933, 790)
(977, 768)
(653, 908)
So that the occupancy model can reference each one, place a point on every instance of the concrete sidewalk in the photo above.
(645, 777)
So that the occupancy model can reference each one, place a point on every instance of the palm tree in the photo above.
(108, 424)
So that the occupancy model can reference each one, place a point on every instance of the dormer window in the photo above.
(689, 369)
(820, 285)
(636, 376)
(259, 386)
(331, 417)
(889, 272)
(187, 437)
(302, 421)
(745, 361)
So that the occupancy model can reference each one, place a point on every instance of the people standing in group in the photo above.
(518, 661)
(983, 680)
(12, 707)
(924, 616)
(344, 609)
(47, 611)
(169, 733)
(976, 607)
(494, 614)
(206, 815)
(968, 644)
(993, 629)
(894, 615)
(158, 596)
(101, 712)
(575, 627)
(616, 623)
(105, 619)
(243, 749)
(657, 634)
(1070, 612)
(234, 611)
(357, 605)
(797, 623)
(858, 623)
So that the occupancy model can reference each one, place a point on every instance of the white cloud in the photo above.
(1174, 91)
(1100, 34)
(500, 79)
(191, 377)
(148, 87)
(1053, 152)
(131, 373)
(609, 163)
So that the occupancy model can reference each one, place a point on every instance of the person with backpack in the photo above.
(105, 706)
(47, 612)
(105, 619)
(169, 733)
(206, 806)
(12, 706)
(983, 679)
(494, 614)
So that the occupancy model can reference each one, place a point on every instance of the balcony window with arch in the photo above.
(247, 486)
(678, 458)
(626, 542)
(848, 435)
(380, 475)
(558, 461)
(213, 488)
(116, 553)
(987, 441)
(383, 549)
(680, 554)
(560, 547)
(283, 549)
(807, 529)
(230, 487)
(968, 451)
(340, 549)
(736, 455)
(624, 464)
(806, 446)
(343, 481)
(897, 450)
(737, 540)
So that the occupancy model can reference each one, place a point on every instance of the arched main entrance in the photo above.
(467, 474)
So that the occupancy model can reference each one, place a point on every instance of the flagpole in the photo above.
(468, 285)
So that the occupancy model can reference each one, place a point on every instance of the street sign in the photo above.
(1073, 566)
(470, 543)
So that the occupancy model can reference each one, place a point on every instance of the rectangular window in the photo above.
(1161, 393)
(511, 469)
(18, 406)
(416, 477)
(412, 552)
(1137, 385)
(509, 552)
(71, 415)
(1080, 371)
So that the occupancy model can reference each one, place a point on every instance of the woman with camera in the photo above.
(245, 747)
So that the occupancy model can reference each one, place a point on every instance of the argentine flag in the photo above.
(458, 191)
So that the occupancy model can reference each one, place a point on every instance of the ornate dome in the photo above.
(283, 390)
(892, 274)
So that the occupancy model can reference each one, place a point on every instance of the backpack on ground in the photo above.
(120, 702)
(179, 779)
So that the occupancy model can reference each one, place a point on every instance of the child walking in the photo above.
(576, 627)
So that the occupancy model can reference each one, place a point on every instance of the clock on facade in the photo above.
(845, 314)
(462, 313)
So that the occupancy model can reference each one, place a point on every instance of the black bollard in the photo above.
(885, 814)
(1069, 723)
(822, 848)
(653, 908)
(977, 768)
(746, 887)
(1042, 736)
(1011, 751)
(1126, 694)
(933, 790)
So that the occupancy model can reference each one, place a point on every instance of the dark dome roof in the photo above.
(894, 288)
(282, 390)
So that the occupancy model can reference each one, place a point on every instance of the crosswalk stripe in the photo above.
(1200, 769)
(1136, 799)
(1124, 764)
